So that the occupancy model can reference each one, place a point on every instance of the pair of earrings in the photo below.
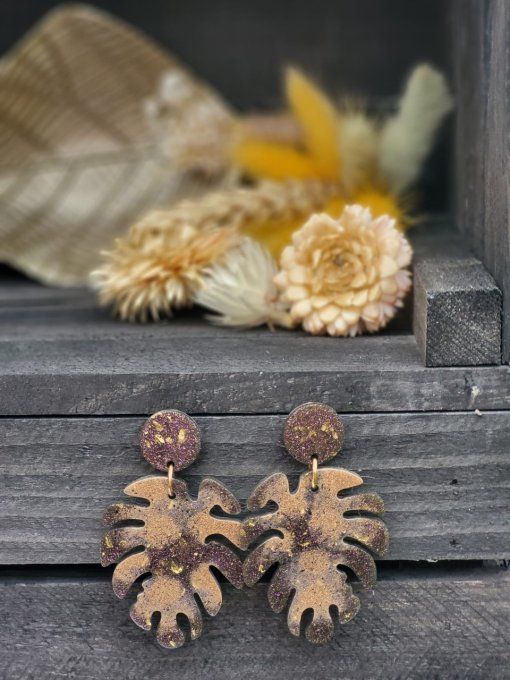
(320, 532)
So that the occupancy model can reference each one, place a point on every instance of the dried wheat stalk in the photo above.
(160, 264)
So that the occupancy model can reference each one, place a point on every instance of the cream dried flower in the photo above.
(345, 276)
(192, 124)
(159, 266)
(241, 290)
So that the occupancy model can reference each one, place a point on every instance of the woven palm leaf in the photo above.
(80, 161)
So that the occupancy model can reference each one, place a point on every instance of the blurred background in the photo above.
(239, 46)
(363, 46)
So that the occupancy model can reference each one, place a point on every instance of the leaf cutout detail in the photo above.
(80, 159)
(314, 545)
(175, 552)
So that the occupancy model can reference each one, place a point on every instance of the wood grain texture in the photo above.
(457, 313)
(60, 354)
(482, 65)
(443, 477)
(245, 372)
(444, 626)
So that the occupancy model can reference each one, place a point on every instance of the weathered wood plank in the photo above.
(482, 64)
(251, 372)
(444, 626)
(457, 313)
(452, 322)
(444, 478)
(60, 354)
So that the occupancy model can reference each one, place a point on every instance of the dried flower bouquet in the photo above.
(314, 241)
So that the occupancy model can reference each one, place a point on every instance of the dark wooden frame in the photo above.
(456, 302)
(76, 386)
(460, 316)
(481, 51)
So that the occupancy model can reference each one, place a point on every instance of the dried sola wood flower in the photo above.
(161, 263)
(345, 276)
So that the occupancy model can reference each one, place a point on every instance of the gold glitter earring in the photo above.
(321, 531)
(172, 532)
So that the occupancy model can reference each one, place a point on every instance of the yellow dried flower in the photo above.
(159, 266)
(368, 161)
(345, 276)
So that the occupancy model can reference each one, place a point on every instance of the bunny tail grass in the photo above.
(407, 137)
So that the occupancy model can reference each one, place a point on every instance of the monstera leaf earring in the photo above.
(321, 531)
(172, 530)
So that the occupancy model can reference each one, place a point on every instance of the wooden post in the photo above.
(457, 304)
(481, 44)
(457, 313)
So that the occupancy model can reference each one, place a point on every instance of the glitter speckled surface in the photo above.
(175, 552)
(313, 430)
(170, 437)
(314, 542)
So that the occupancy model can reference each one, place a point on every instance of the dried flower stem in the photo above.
(240, 208)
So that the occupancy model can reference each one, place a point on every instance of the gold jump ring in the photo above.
(315, 473)
(171, 480)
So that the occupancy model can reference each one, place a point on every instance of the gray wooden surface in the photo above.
(481, 48)
(457, 313)
(418, 626)
(61, 355)
(250, 372)
(444, 478)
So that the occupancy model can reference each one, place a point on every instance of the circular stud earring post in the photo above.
(313, 430)
(170, 437)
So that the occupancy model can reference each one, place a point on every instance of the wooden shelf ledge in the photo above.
(444, 478)
(457, 304)
(62, 355)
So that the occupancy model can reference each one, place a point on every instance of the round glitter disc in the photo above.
(313, 430)
(170, 437)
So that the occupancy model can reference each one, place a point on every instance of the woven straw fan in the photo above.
(80, 160)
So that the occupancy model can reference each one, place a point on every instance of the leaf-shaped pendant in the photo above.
(321, 532)
(175, 547)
